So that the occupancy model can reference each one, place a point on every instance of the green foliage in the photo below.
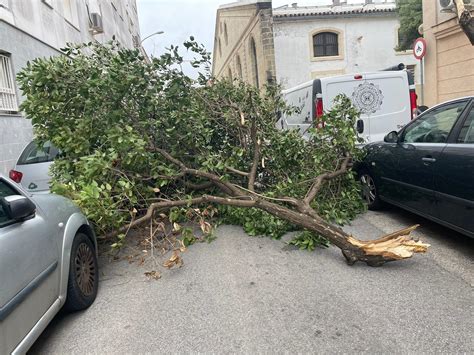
(109, 112)
(255, 221)
(307, 240)
(410, 13)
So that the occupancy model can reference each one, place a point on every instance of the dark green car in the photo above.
(427, 167)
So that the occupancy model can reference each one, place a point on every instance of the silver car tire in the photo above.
(83, 278)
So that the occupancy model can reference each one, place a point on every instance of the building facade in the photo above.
(307, 42)
(449, 60)
(39, 28)
(243, 43)
(319, 41)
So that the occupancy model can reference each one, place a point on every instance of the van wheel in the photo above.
(369, 191)
(83, 279)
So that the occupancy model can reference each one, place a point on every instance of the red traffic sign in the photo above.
(419, 48)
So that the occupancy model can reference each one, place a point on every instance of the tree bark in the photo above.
(466, 21)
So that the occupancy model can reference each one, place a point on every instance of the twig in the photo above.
(284, 199)
(238, 172)
(314, 189)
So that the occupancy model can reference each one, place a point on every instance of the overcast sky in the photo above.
(180, 19)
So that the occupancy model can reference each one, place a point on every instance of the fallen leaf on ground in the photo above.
(155, 275)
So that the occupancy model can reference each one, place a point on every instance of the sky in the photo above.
(180, 19)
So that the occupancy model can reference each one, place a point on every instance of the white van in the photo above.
(385, 99)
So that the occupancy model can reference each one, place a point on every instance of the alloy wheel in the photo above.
(85, 269)
(369, 192)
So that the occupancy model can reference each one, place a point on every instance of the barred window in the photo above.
(8, 100)
(325, 44)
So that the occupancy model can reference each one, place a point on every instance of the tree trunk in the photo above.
(466, 21)
(395, 246)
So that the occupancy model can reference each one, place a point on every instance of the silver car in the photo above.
(48, 259)
(32, 168)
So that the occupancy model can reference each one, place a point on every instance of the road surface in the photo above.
(246, 294)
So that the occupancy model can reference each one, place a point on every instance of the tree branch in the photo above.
(226, 187)
(169, 204)
(290, 200)
(202, 186)
(238, 172)
(256, 156)
(314, 189)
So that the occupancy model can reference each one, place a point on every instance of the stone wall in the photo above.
(244, 22)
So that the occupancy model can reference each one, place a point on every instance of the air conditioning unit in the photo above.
(96, 23)
(450, 7)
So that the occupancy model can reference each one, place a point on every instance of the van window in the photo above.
(34, 154)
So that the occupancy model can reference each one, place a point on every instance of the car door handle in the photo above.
(428, 160)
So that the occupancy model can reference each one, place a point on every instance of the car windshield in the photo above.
(34, 154)
(5, 190)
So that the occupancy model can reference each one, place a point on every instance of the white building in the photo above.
(39, 28)
(318, 41)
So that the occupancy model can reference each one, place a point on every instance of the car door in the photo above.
(454, 177)
(29, 275)
(409, 182)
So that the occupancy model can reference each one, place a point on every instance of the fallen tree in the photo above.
(138, 138)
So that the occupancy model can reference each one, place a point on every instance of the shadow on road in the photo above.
(437, 232)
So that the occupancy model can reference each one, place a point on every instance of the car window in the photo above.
(5, 190)
(34, 154)
(434, 126)
(467, 131)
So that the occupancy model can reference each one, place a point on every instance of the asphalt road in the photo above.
(244, 294)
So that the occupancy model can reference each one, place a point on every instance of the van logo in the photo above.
(32, 186)
(367, 98)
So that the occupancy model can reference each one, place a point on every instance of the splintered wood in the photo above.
(396, 246)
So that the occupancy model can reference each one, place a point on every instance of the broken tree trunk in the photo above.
(395, 246)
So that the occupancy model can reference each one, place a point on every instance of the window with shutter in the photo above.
(325, 44)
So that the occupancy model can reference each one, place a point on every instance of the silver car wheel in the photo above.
(369, 192)
(85, 269)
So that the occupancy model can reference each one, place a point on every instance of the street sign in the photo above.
(419, 48)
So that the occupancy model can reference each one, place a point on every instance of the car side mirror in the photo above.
(18, 207)
(360, 126)
(392, 137)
